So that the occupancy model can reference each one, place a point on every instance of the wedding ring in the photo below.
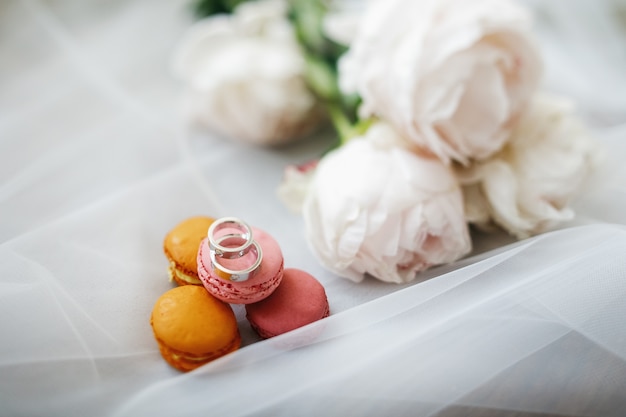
(238, 275)
(240, 235)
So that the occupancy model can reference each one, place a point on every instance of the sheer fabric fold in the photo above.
(96, 167)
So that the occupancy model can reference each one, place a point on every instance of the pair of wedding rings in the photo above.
(231, 238)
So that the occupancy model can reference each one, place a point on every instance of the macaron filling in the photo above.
(179, 356)
(172, 272)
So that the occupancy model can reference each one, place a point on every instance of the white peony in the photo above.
(376, 207)
(451, 75)
(526, 187)
(245, 75)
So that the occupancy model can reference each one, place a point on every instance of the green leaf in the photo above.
(206, 8)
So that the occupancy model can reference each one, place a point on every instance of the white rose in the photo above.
(376, 207)
(245, 75)
(527, 186)
(451, 75)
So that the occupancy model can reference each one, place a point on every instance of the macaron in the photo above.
(181, 249)
(300, 299)
(193, 328)
(265, 279)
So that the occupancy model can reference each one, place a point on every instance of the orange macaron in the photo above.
(193, 328)
(181, 249)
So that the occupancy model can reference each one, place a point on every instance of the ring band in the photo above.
(237, 275)
(230, 252)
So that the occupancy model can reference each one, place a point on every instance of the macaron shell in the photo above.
(299, 300)
(187, 362)
(181, 248)
(259, 286)
(192, 326)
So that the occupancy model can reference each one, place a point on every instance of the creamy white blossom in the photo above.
(451, 75)
(341, 23)
(526, 187)
(295, 185)
(245, 75)
(374, 206)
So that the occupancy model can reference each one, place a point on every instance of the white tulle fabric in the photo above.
(96, 167)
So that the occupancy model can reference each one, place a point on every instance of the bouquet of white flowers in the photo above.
(437, 105)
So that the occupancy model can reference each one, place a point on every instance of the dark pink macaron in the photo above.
(300, 299)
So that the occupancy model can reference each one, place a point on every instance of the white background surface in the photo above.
(97, 164)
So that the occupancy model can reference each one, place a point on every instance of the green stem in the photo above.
(321, 56)
(345, 129)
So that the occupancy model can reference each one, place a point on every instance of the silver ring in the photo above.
(237, 275)
(230, 252)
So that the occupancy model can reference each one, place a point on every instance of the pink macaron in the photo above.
(260, 285)
(300, 299)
